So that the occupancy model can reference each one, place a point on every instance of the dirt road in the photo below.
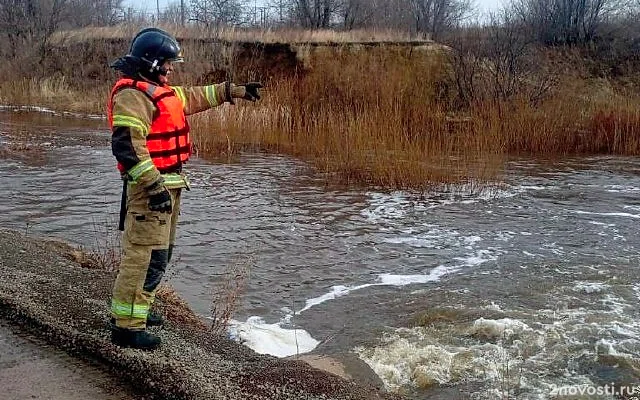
(32, 369)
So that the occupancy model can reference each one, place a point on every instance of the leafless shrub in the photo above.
(106, 252)
(225, 297)
(497, 63)
(27, 25)
(554, 22)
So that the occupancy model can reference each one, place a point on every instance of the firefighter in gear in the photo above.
(150, 141)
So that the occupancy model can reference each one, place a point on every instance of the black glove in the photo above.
(159, 198)
(251, 91)
(246, 91)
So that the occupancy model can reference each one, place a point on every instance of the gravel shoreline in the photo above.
(54, 298)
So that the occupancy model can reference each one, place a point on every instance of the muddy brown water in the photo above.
(524, 289)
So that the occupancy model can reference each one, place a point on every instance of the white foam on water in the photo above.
(428, 240)
(590, 287)
(553, 248)
(402, 280)
(386, 207)
(45, 110)
(621, 189)
(493, 307)
(636, 290)
(481, 257)
(536, 187)
(532, 353)
(607, 214)
(505, 236)
(434, 237)
(497, 328)
(334, 293)
(271, 339)
(599, 223)
(606, 347)
(423, 366)
(472, 260)
(410, 357)
(469, 241)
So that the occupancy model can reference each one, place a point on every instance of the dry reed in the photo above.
(368, 116)
(235, 34)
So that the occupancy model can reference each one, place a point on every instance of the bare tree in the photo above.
(497, 62)
(27, 24)
(213, 13)
(436, 16)
(565, 21)
(133, 16)
(356, 13)
(392, 14)
(281, 11)
(425, 16)
(80, 13)
(173, 13)
(315, 13)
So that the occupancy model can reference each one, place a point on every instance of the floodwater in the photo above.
(526, 290)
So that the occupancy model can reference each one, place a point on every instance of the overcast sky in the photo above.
(150, 5)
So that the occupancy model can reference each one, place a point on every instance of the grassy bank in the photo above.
(383, 114)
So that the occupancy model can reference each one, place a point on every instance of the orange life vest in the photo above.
(168, 139)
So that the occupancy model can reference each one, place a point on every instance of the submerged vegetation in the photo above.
(397, 113)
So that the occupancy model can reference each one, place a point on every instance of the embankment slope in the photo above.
(56, 299)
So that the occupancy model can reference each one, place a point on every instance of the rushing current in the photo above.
(518, 290)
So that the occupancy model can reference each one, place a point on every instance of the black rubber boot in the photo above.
(154, 319)
(136, 339)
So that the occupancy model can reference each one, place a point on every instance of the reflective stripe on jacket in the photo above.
(167, 139)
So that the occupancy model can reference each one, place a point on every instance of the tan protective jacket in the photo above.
(133, 113)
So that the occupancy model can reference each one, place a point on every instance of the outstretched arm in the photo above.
(200, 98)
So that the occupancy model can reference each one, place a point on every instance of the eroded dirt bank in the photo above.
(50, 296)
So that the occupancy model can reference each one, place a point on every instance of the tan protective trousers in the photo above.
(147, 244)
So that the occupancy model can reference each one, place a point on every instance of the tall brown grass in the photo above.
(56, 93)
(563, 125)
(235, 34)
(360, 115)
(386, 117)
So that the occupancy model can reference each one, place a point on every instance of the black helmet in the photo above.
(150, 48)
(154, 46)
